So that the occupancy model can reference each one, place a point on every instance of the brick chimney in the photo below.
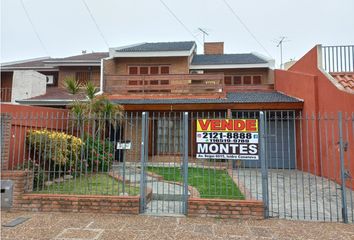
(213, 48)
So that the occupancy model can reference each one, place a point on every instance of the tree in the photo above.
(94, 107)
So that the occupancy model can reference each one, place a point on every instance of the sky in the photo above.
(65, 27)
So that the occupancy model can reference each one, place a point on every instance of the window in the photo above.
(165, 70)
(144, 70)
(227, 80)
(257, 79)
(83, 77)
(237, 80)
(242, 80)
(168, 136)
(154, 70)
(247, 80)
(133, 70)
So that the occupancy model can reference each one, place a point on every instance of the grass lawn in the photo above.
(210, 183)
(96, 184)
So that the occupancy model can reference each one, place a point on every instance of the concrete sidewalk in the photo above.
(79, 226)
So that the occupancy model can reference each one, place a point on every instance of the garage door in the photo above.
(280, 139)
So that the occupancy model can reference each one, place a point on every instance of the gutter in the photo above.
(51, 102)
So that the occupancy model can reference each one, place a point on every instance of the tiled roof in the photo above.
(61, 95)
(30, 63)
(239, 97)
(243, 58)
(55, 93)
(345, 79)
(159, 46)
(96, 56)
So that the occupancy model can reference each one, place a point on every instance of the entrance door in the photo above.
(164, 189)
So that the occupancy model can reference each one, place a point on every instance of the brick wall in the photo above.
(214, 48)
(119, 66)
(25, 201)
(178, 65)
(237, 209)
(20, 184)
(5, 140)
(267, 75)
(80, 203)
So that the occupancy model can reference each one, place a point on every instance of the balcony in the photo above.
(338, 59)
(5, 94)
(175, 84)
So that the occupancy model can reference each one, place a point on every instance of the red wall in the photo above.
(25, 118)
(320, 138)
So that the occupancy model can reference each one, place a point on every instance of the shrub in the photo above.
(99, 154)
(72, 85)
(54, 146)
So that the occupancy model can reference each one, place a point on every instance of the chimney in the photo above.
(83, 51)
(213, 48)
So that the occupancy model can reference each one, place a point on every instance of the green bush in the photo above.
(58, 147)
(99, 154)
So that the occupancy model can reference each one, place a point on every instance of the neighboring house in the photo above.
(170, 76)
(40, 77)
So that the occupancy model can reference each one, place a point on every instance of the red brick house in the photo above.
(168, 76)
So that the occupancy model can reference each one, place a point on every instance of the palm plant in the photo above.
(90, 90)
(93, 107)
(72, 86)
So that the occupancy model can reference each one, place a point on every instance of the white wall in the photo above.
(27, 84)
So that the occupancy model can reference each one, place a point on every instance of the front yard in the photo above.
(91, 184)
(210, 183)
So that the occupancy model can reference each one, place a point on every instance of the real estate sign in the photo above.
(227, 139)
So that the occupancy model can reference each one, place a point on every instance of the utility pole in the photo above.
(204, 32)
(280, 44)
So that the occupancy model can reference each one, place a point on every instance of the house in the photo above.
(45, 77)
(169, 77)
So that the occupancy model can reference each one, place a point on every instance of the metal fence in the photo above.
(338, 58)
(304, 170)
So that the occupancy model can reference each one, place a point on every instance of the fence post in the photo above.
(342, 170)
(143, 154)
(263, 160)
(185, 163)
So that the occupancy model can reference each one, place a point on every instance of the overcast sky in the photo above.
(65, 26)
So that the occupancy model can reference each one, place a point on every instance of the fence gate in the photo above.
(319, 184)
(164, 163)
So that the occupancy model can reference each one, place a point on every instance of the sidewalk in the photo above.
(66, 226)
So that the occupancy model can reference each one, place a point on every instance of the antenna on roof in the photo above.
(280, 44)
(204, 32)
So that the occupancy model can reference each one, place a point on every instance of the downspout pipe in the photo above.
(100, 92)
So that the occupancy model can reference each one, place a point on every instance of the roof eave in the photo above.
(30, 68)
(152, 54)
(51, 102)
(228, 66)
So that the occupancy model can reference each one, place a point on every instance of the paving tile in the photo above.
(45, 226)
